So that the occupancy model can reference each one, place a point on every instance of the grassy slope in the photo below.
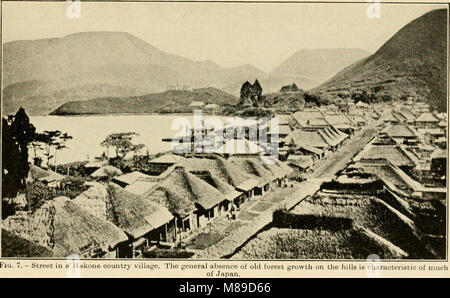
(413, 62)
(150, 103)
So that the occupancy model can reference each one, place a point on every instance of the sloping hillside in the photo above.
(412, 63)
(101, 64)
(168, 101)
(311, 67)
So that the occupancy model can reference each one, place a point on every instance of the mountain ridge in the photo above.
(412, 63)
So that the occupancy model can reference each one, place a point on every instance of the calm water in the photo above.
(89, 131)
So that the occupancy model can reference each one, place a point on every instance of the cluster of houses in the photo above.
(310, 135)
(125, 214)
(409, 152)
(121, 215)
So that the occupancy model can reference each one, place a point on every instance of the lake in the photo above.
(89, 131)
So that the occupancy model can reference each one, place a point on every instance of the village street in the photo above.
(327, 168)
(221, 237)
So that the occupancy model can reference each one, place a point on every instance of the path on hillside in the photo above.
(339, 159)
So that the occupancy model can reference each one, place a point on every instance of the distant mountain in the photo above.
(40, 75)
(308, 68)
(412, 63)
(168, 101)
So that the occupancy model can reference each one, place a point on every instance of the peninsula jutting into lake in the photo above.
(115, 148)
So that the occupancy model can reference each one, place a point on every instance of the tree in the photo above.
(121, 142)
(24, 133)
(294, 87)
(246, 90)
(53, 139)
(17, 133)
(256, 93)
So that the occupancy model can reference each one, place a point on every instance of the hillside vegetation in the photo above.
(413, 63)
(169, 101)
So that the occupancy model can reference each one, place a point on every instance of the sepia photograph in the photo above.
(224, 131)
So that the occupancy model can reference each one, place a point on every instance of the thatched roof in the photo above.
(301, 161)
(130, 178)
(106, 171)
(218, 166)
(394, 154)
(14, 246)
(248, 185)
(399, 130)
(181, 190)
(94, 200)
(37, 173)
(373, 214)
(136, 215)
(254, 166)
(439, 153)
(427, 117)
(277, 168)
(141, 187)
(96, 164)
(67, 229)
(167, 159)
(391, 175)
(302, 117)
(220, 184)
(306, 138)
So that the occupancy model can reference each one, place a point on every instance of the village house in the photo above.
(160, 164)
(192, 201)
(361, 105)
(300, 164)
(402, 134)
(144, 221)
(439, 162)
(48, 177)
(66, 229)
(129, 178)
(342, 122)
(427, 120)
(197, 104)
(431, 135)
(395, 154)
(391, 175)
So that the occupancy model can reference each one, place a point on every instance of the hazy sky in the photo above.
(229, 34)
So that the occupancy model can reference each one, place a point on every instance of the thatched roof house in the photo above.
(254, 167)
(220, 167)
(67, 229)
(46, 176)
(129, 178)
(394, 154)
(400, 131)
(106, 171)
(134, 214)
(181, 192)
(427, 117)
